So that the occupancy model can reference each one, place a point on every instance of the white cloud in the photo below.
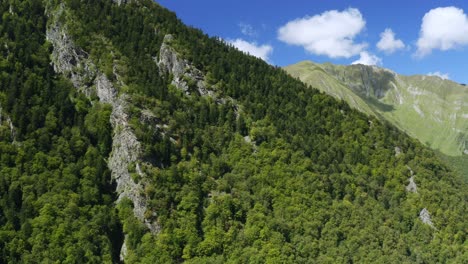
(331, 33)
(260, 51)
(247, 30)
(388, 43)
(444, 76)
(442, 28)
(367, 58)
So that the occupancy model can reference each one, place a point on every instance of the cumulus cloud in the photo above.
(260, 51)
(442, 28)
(444, 76)
(367, 58)
(331, 33)
(247, 30)
(388, 43)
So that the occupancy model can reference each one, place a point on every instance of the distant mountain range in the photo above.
(429, 108)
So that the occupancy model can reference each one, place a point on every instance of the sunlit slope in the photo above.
(431, 109)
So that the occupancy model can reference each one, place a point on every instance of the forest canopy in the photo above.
(277, 173)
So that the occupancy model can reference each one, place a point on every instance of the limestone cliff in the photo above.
(73, 62)
(187, 77)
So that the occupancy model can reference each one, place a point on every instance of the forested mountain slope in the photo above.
(125, 135)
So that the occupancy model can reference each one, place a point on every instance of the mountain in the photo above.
(431, 109)
(126, 136)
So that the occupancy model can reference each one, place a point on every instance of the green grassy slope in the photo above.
(433, 110)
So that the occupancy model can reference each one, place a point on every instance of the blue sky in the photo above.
(414, 37)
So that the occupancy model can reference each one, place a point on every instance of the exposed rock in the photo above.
(68, 59)
(187, 77)
(147, 117)
(12, 129)
(169, 62)
(119, 2)
(75, 63)
(397, 151)
(105, 90)
(410, 170)
(412, 187)
(425, 217)
(123, 250)
(168, 59)
(9, 123)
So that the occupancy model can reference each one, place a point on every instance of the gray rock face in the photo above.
(9, 124)
(186, 76)
(411, 187)
(74, 63)
(425, 217)
(397, 151)
(12, 129)
(119, 2)
(168, 59)
(105, 90)
(68, 59)
(123, 250)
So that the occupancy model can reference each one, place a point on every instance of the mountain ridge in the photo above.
(398, 99)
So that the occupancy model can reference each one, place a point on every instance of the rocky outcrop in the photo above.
(425, 217)
(120, 2)
(67, 58)
(187, 77)
(123, 250)
(12, 129)
(75, 63)
(106, 91)
(398, 151)
(411, 187)
(9, 124)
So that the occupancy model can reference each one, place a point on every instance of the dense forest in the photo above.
(268, 170)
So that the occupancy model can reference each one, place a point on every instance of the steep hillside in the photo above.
(127, 136)
(431, 109)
